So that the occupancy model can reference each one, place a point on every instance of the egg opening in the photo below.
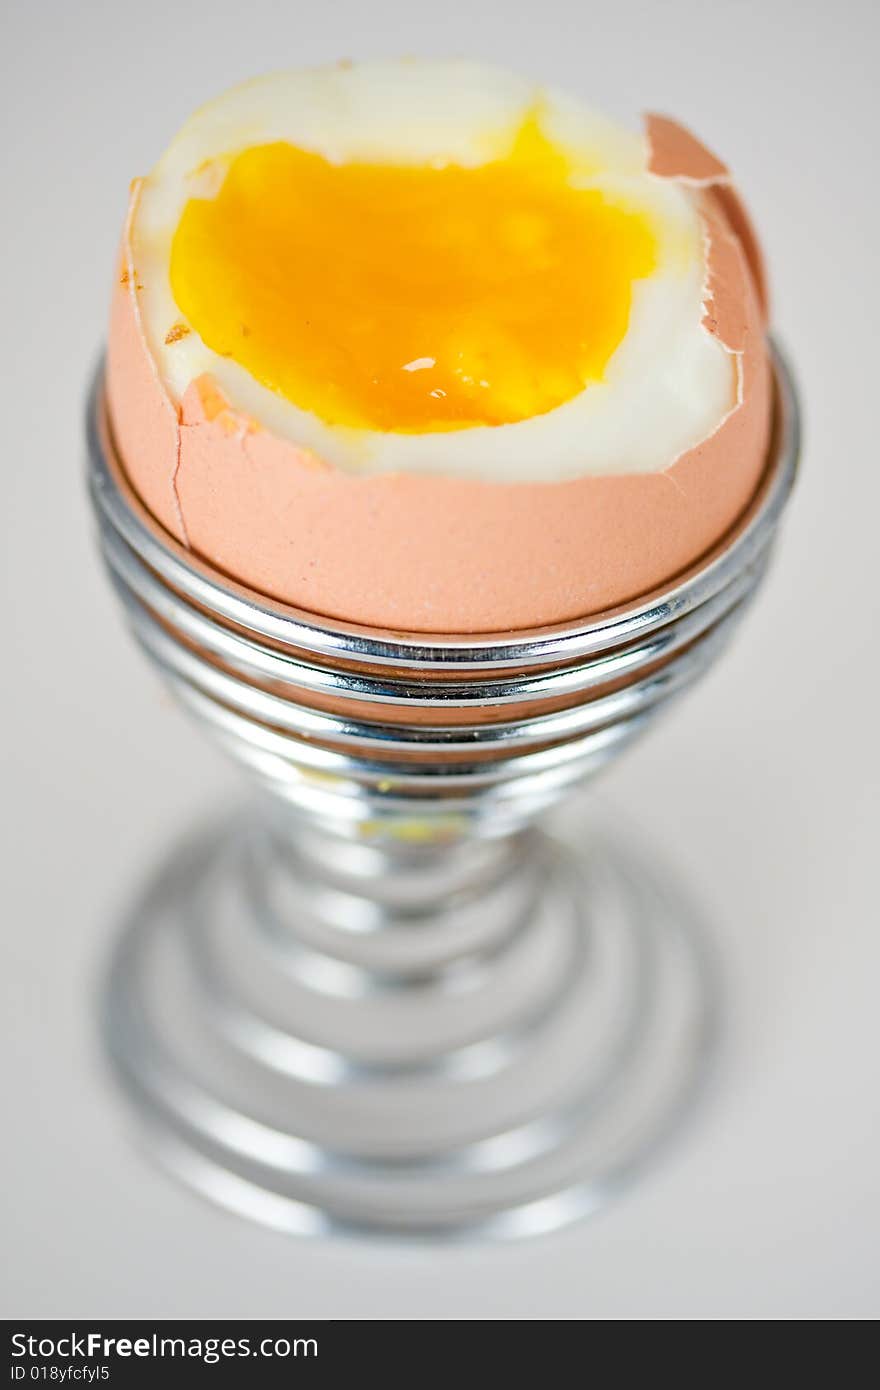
(413, 297)
(431, 267)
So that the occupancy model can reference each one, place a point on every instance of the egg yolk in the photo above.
(412, 298)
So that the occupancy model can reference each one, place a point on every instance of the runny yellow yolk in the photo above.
(411, 298)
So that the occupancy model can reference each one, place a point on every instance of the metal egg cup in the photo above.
(383, 998)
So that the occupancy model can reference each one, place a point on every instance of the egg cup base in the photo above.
(505, 1042)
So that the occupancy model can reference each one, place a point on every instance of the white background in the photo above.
(763, 786)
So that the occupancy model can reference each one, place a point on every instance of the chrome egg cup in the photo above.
(383, 998)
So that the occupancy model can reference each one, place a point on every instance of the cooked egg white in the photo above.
(432, 268)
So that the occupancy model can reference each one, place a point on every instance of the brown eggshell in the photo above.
(145, 421)
(430, 554)
(675, 153)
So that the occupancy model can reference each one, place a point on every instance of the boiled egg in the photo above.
(427, 347)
